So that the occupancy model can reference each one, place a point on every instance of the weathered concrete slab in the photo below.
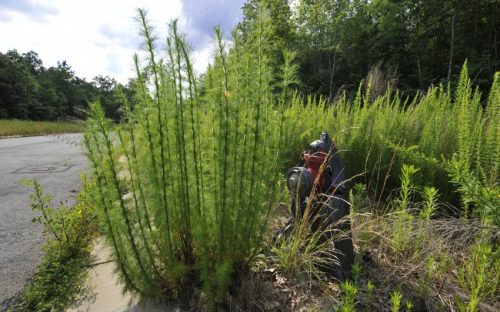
(105, 293)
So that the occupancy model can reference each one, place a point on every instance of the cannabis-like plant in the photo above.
(186, 182)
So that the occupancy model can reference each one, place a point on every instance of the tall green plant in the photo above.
(186, 183)
(402, 231)
(377, 135)
(479, 276)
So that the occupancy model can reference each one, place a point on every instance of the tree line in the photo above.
(28, 90)
(406, 44)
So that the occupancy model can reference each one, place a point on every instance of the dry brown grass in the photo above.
(428, 286)
(426, 271)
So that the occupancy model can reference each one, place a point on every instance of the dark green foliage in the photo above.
(17, 87)
(30, 91)
(111, 95)
(61, 275)
(421, 43)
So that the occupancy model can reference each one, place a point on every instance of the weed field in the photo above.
(188, 186)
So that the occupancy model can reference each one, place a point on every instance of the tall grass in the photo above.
(186, 183)
(376, 136)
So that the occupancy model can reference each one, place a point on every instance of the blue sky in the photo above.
(99, 37)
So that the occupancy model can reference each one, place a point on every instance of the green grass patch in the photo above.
(29, 127)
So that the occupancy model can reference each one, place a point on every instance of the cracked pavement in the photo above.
(56, 162)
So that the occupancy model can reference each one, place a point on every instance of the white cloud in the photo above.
(36, 10)
(202, 56)
(100, 37)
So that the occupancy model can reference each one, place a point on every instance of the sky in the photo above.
(99, 37)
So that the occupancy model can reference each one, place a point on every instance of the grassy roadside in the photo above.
(60, 276)
(29, 127)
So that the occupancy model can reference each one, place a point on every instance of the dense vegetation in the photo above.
(187, 182)
(446, 134)
(28, 90)
(410, 44)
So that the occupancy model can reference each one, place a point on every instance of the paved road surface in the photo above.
(56, 162)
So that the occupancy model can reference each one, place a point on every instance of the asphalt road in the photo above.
(56, 162)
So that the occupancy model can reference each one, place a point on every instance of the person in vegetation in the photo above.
(319, 196)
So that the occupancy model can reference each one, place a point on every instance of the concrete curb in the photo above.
(105, 291)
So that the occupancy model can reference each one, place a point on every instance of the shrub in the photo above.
(60, 276)
(184, 186)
